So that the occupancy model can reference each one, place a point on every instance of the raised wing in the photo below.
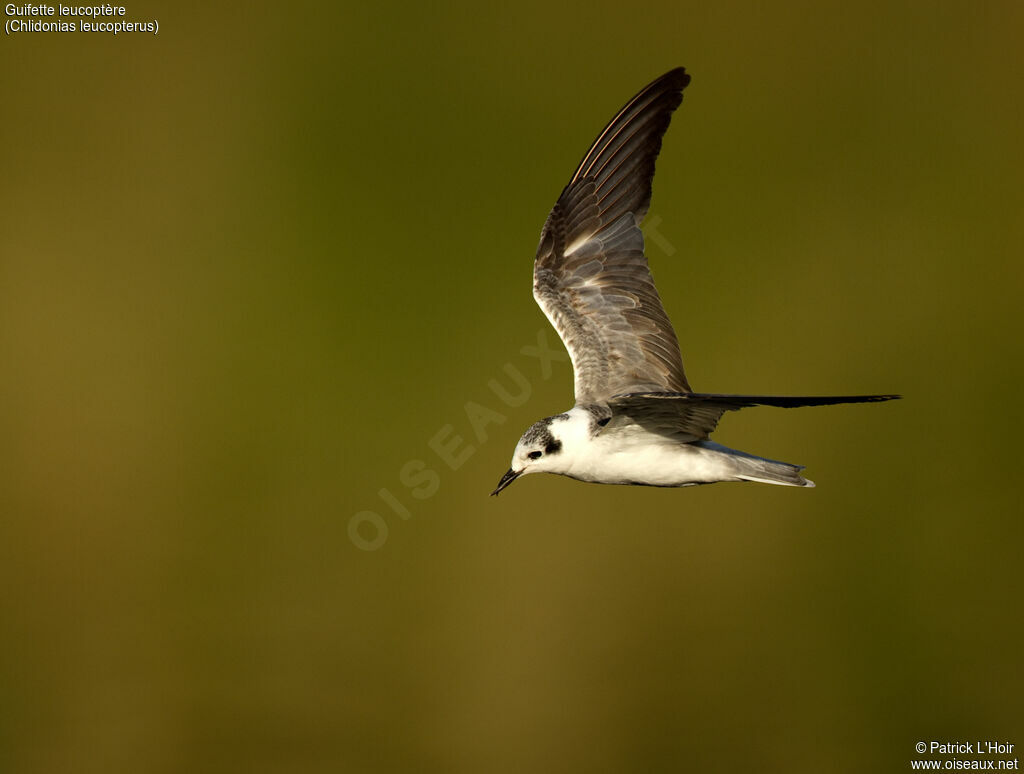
(693, 416)
(591, 276)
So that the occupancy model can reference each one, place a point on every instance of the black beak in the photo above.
(507, 479)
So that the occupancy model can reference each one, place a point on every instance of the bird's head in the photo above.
(540, 450)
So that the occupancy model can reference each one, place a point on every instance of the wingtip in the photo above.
(675, 79)
(680, 75)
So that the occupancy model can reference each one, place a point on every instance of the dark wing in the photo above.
(693, 416)
(591, 277)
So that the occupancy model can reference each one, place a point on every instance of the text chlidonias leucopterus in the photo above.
(636, 420)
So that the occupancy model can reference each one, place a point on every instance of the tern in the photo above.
(636, 420)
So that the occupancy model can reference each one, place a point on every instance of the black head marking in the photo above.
(553, 447)
(539, 433)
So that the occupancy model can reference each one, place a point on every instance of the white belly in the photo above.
(650, 459)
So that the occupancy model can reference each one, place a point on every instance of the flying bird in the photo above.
(636, 420)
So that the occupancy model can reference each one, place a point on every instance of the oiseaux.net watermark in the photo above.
(420, 480)
(965, 755)
(368, 530)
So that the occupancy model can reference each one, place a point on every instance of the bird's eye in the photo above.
(535, 455)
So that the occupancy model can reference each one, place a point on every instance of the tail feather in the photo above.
(780, 473)
(748, 467)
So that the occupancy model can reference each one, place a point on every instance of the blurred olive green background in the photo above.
(252, 266)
